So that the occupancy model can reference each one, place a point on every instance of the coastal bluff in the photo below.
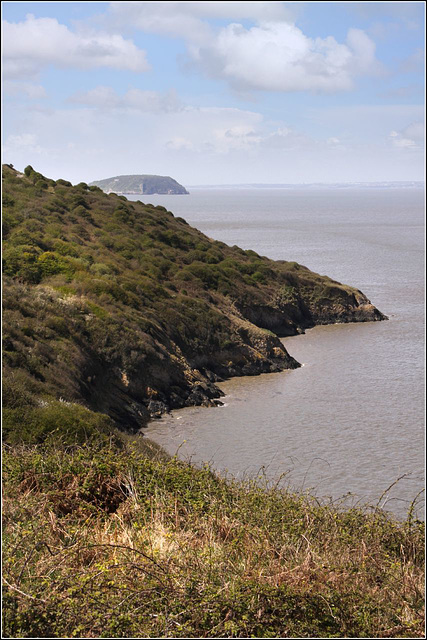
(124, 309)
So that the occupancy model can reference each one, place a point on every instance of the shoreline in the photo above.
(252, 417)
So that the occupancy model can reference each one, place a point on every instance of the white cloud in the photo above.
(153, 100)
(273, 55)
(31, 45)
(360, 125)
(189, 19)
(411, 137)
(231, 10)
(286, 138)
(135, 99)
(213, 130)
(414, 63)
(101, 96)
(416, 131)
(178, 144)
(24, 142)
(279, 57)
(85, 131)
(214, 144)
(28, 89)
(165, 18)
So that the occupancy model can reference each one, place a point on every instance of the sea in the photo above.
(348, 426)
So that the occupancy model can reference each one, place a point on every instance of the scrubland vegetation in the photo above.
(114, 539)
(128, 310)
(113, 310)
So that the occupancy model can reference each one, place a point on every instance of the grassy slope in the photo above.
(128, 310)
(103, 541)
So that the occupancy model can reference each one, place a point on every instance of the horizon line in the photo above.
(308, 184)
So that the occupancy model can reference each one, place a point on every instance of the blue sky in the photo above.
(216, 92)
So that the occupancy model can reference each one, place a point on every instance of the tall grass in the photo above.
(103, 541)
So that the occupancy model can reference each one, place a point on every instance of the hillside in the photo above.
(115, 311)
(140, 184)
(124, 309)
(109, 542)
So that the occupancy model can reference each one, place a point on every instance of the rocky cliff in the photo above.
(129, 311)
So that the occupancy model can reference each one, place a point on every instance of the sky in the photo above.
(215, 92)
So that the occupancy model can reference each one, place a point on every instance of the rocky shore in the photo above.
(255, 350)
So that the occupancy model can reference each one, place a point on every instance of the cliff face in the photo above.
(125, 309)
(310, 308)
(141, 184)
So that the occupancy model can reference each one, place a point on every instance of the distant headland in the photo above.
(141, 184)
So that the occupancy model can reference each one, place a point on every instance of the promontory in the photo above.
(125, 310)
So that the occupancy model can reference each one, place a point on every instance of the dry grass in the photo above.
(184, 553)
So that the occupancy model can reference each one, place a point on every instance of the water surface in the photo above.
(351, 419)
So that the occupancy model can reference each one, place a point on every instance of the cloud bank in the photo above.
(279, 57)
(273, 55)
(135, 99)
(411, 137)
(36, 43)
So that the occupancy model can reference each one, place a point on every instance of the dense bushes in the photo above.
(56, 420)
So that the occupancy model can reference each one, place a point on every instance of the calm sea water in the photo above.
(351, 420)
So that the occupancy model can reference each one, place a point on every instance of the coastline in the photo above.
(289, 423)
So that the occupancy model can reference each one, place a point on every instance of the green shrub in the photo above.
(22, 261)
(78, 200)
(259, 277)
(121, 214)
(18, 389)
(57, 204)
(98, 311)
(81, 211)
(194, 256)
(202, 246)
(50, 263)
(206, 273)
(7, 201)
(68, 422)
(100, 269)
(65, 248)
